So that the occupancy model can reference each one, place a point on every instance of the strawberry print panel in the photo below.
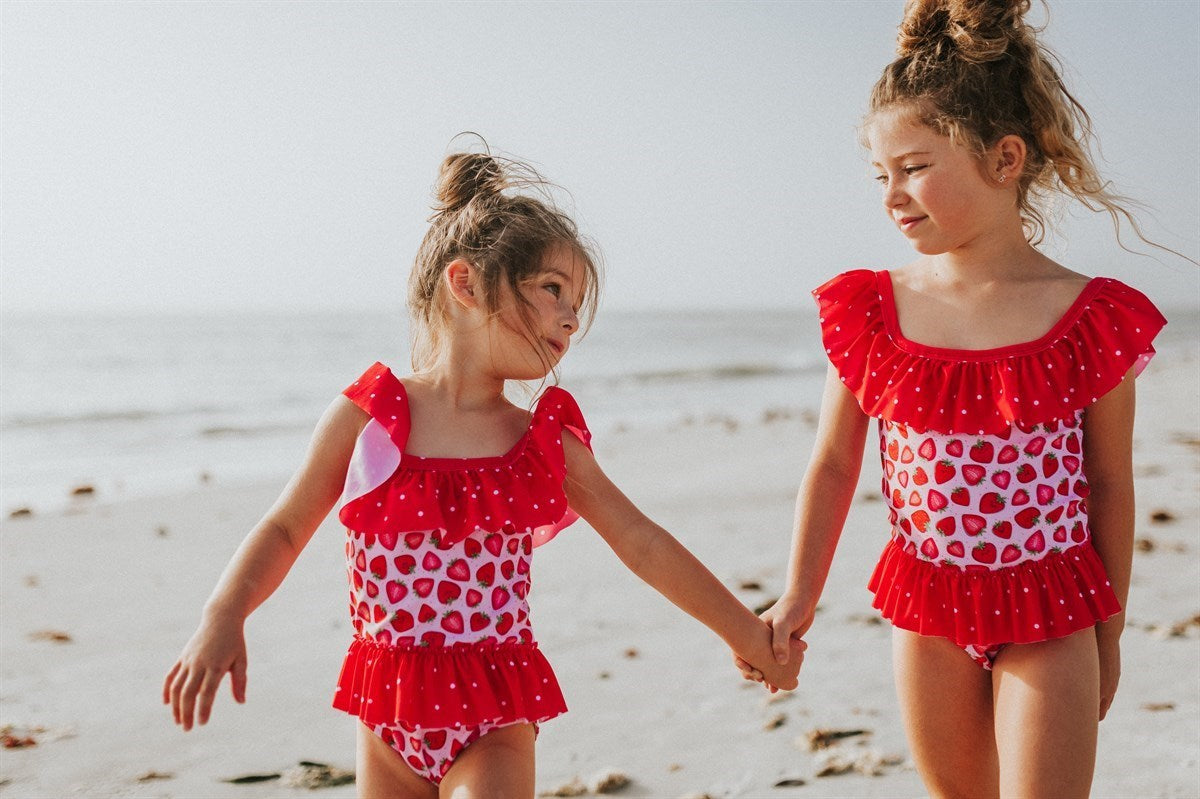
(989, 501)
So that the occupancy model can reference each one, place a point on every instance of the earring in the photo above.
(1003, 178)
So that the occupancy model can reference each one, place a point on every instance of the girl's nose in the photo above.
(570, 321)
(893, 196)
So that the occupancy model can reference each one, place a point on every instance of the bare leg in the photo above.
(1046, 700)
(382, 774)
(946, 703)
(497, 766)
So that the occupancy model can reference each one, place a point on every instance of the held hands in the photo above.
(787, 620)
(217, 647)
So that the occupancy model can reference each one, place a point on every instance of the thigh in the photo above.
(498, 765)
(946, 703)
(1047, 699)
(383, 774)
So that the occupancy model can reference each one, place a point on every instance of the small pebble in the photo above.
(750, 585)
(573, 788)
(604, 675)
(1155, 707)
(83, 491)
(31, 581)
(1162, 517)
(150, 776)
(55, 636)
(775, 722)
(311, 775)
(609, 781)
(790, 782)
(161, 531)
(20, 513)
(822, 738)
(1143, 544)
(631, 652)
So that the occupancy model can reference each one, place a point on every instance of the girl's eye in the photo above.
(880, 179)
(909, 170)
(554, 289)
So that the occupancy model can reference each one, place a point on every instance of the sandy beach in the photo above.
(97, 602)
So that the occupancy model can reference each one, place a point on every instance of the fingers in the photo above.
(237, 680)
(780, 643)
(206, 695)
(166, 690)
(187, 701)
(1105, 704)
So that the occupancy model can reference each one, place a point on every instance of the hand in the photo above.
(788, 620)
(1110, 673)
(217, 647)
(790, 670)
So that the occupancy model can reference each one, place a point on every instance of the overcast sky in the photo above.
(210, 156)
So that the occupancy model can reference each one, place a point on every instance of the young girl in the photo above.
(446, 488)
(1003, 387)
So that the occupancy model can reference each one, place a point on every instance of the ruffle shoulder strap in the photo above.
(1106, 332)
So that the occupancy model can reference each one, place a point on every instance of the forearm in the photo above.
(821, 507)
(255, 571)
(1111, 517)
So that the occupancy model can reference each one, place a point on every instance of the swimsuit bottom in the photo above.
(430, 752)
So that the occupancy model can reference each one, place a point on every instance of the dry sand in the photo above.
(652, 693)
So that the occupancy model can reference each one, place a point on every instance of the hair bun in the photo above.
(466, 176)
(975, 30)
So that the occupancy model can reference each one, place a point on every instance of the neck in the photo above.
(1000, 255)
(460, 383)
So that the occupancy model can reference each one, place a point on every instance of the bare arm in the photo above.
(821, 507)
(259, 566)
(1108, 462)
(656, 557)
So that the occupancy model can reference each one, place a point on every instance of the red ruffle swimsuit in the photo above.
(982, 454)
(438, 553)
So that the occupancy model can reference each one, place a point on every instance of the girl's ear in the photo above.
(1008, 158)
(460, 282)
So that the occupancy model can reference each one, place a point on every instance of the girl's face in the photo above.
(934, 191)
(533, 343)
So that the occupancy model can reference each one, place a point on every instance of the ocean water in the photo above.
(145, 405)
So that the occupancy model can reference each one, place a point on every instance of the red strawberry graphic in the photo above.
(1002, 529)
(906, 455)
(982, 451)
(960, 496)
(485, 575)
(1001, 479)
(522, 566)
(1078, 534)
(357, 577)
(452, 622)
(929, 548)
(954, 448)
(897, 500)
(1060, 534)
(479, 620)
(448, 592)
(911, 549)
(388, 540)
(984, 552)
(1007, 454)
(474, 597)
(1057, 443)
(364, 611)
(435, 740)
(927, 450)
(901, 429)
(1027, 518)
(423, 586)
(368, 540)
(527, 544)
(459, 570)
(972, 524)
(1072, 508)
(526, 635)
(431, 563)
(943, 472)
(893, 449)
(955, 548)
(500, 597)
(402, 620)
(1054, 514)
(383, 636)
(1064, 487)
(504, 623)
(1045, 494)
(1081, 489)
(379, 567)
(973, 474)
(914, 498)
(1026, 473)
(396, 591)
(1073, 444)
(405, 564)
(991, 502)
(1036, 542)
(414, 540)
(494, 543)
(936, 500)
(360, 562)
(513, 545)
(1011, 552)
(889, 468)
(920, 520)
(521, 588)
(426, 613)
(945, 526)
(1020, 497)
(472, 547)
(433, 638)
(378, 614)
(906, 525)
(506, 569)
(1049, 464)
(1035, 446)
(902, 479)
(1070, 463)
(372, 589)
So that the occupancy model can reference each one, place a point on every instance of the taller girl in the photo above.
(1002, 385)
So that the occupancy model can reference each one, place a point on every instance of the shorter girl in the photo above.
(1002, 385)
(446, 488)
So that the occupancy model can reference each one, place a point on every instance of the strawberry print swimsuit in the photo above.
(982, 454)
(438, 554)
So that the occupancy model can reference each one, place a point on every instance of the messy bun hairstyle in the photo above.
(975, 71)
(498, 215)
